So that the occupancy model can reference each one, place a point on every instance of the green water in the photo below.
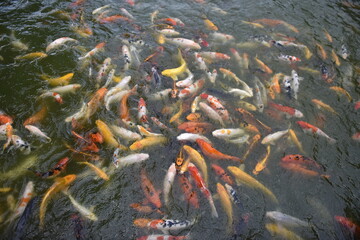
(312, 199)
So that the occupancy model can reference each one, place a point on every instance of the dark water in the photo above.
(312, 199)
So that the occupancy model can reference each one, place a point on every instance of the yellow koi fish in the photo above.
(32, 56)
(261, 165)
(320, 104)
(60, 184)
(256, 25)
(226, 204)
(175, 72)
(108, 136)
(263, 66)
(178, 114)
(97, 170)
(60, 81)
(147, 142)
(296, 141)
(276, 229)
(335, 58)
(210, 25)
(342, 91)
(246, 179)
(196, 157)
(309, 70)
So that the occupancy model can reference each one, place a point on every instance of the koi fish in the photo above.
(196, 158)
(285, 220)
(214, 56)
(192, 89)
(59, 184)
(125, 133)
(123, 107)
(55, 95)
(32, 56)
(147, 133)
(59, 42)
(253, 24)
(142, 112)
(261, 165)
(321, 51)
(226, 204)
(60, 81)
(163, 237)
(344, 53)
(195, 175)
(310, 129)
(253, 142)
(246, 179)
(16, 43)
(221, 37)
(211, 152)
(168, 182)
(97, 170)
(4, 118)
(151, 194)
(175, 72)
(228, 133)
(295, 140)
(147, 142)
(335, 58)
(220, 172)
(182, 42)
(189, 193)
(271, 138)
(353, 228)
(24, 200)
(129, 159)
(342, 91)
(249, 118)
(94, 51)
(56, 170)
(107, 135)
(210, 25)
(300, 164)
(320, 104)
(263, 66)
(211, 113)
(37, 132)
(289, 59)
(115, 18)
(165, 225)
(216, 105)
(356, 136)
(20, 144)
(279, 230)
(288, 111)
(87, 213)
(156, 76)
(246, 88)
(105, 66)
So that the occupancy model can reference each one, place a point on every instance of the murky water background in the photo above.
(311, 199)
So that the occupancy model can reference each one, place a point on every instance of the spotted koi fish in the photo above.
(56, 170)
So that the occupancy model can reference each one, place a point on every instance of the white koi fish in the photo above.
(37, 132)
(129, 159)
(82, 210)
(168, 182)
(58, 42)
(272, 138)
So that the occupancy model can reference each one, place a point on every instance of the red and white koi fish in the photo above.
(160, 124)
(192, 89)
(214, 56)
(142, 113)
(288, 111)
(162, 237)
(92, 52)
(105, 66)
(217, 106)
(311, 129)
(196, 176)
(200, 62)
(58, 42)
(165, 225)
(168, 182)
(191, 137)
(26, 197)
(211, 113)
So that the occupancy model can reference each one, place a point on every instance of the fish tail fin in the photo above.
(331, 140)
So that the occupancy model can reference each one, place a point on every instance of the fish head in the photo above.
(292, 158)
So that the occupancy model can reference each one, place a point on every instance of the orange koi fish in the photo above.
(211, 152)
(253, 142)
(4, 118)
(263, 66)
(288, 111)
(353, 228)
(151, 194)
(114, 18)
(321, 51)
(303, 165)
(37, 117)
(123, 107)
(189, 193)
(220, 172)
(342, 91)
(60, 184)
(97, 170)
